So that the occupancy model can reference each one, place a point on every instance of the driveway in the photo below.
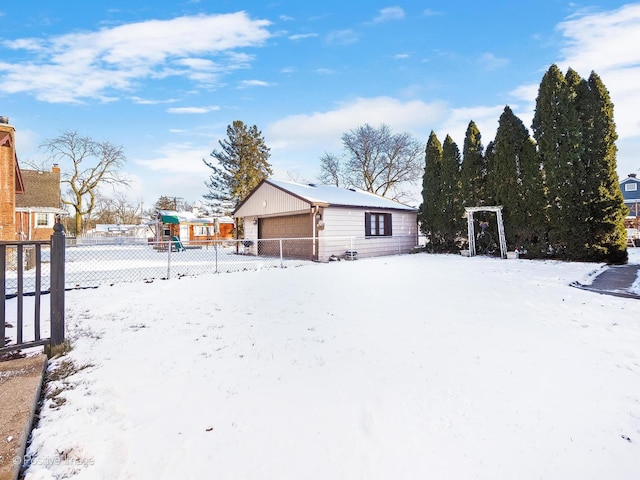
(615, 280)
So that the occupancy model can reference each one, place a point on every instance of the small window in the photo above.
(377, 224)
(630, 187)
(42, 220)
(199, 231)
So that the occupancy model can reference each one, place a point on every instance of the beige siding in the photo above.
(344, 230)
(269, 200)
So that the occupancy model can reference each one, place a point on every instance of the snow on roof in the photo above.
(338, 196)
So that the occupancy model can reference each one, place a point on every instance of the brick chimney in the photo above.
(632, 175)
(55, 168)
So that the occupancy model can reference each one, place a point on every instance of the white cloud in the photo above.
(490, 62)
(197, 110)
(253, 83)
(341, 37)
(457, 121)
(146, 101)
(323, 130)
(176, 169)
(430, 13)
(94, 65)
(607, 43)
(302, 36)
(389, 13)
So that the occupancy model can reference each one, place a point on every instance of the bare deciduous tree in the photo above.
(375, 160)
(85, 164)
(331, 170)
(116, 210)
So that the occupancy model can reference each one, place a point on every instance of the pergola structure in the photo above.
(471, 230)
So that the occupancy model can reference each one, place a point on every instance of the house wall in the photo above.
(27, 228)
(630, 196)
(269, 200)
(343, 227)
(344, 230)
(7, 185)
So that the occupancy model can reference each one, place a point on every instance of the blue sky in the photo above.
(164, 79)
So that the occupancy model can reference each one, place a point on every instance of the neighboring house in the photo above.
(630, 187)
(10, 181)
(190, 228)
(332, 220)
(39, 206)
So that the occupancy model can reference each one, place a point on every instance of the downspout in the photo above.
(28, 224)
(237, 225)
(314, 211)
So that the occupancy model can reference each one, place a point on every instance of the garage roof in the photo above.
(337, 196)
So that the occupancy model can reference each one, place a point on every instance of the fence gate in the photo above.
(32, 269)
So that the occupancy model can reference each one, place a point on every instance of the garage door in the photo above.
(295, 229)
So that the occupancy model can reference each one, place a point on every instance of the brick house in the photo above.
(29, 199)
(10, 181)
(39, 206)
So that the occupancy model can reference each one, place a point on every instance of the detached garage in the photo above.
(321, 222)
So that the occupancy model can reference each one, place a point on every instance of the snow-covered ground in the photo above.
(414, 366)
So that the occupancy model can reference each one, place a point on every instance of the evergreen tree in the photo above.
(503, 174)
(488, 161)
(450, 218)
(473, 170)
(514, 179)
(557, 131)
(241, 164)
(431, 191)
(534, 199)
(605, 233)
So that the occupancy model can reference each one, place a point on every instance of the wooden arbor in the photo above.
(471, 230)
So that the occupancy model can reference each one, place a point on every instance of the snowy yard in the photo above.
(415, 366)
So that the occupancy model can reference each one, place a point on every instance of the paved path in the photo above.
(20, 382)
(615, 280)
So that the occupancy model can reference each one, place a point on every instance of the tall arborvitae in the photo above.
(431, 191)
(473, 170)
(533, 197)
(514, 180)
(488, 160)
(556, 128)
(578, 238)
(606, 236)
(451, 214)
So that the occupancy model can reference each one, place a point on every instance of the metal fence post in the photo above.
(281, 264)
(169, 259)
(58, 242)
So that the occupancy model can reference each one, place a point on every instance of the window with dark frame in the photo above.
(377, 224)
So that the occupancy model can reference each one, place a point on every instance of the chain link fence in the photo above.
(91, 262)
